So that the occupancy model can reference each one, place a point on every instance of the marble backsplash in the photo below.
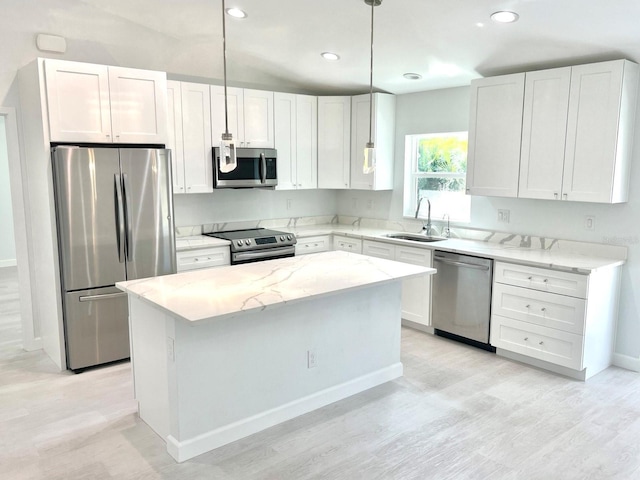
(410, 225)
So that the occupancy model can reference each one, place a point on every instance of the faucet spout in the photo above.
(426, 228)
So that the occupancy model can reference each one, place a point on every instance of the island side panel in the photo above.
(150, 331)
(236, 376)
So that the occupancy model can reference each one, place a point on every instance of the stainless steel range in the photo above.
(257, 244)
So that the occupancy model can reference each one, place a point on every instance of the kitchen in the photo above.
(527, 216)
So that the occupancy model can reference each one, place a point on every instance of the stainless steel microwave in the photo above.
(256, 169)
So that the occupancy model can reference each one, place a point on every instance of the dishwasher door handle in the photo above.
(459, 264)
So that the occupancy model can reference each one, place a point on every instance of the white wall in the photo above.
(7, 242)
(251, 204)
(448, 110)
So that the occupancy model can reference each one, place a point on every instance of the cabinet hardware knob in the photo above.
(545, 280)
(526, 339)
(529, 278)
(528, 306)
(543, 309)
(108, 135)
(565, 196)
(555, 195)
(541, 343)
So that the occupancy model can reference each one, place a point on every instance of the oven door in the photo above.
(256, 168)
(261, 255)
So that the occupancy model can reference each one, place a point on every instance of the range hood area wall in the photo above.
(448, 111)
(251, 204)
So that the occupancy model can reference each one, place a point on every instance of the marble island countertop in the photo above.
(227, 291)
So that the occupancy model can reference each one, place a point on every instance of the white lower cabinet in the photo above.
(416, 292)
(203, 258)
(353, 245)
(554, 318)
(320, 243)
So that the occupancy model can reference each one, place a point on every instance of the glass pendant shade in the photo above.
(369, 158)
(228, 158)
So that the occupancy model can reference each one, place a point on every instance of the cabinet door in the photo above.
(378, 249)
(416, 292)
(138, 105)
(235, 114)
(258, 119)
(285, 138)
(307, 141)
(353, 245)
(359, 138)
(334, 142)
(78, 102)
(196, 128)
(544, 125)
(495, 124)
(592, 131)
(174, 134)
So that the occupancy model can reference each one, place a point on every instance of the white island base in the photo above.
(201, 385)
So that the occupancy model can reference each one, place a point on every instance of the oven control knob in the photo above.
(289, 237)
(282, 238)
(239, 242)
(247, 242)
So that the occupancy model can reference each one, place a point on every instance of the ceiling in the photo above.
(278, 45)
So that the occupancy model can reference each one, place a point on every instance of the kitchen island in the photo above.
(221, 353)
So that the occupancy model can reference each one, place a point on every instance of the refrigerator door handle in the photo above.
(104, 296)
(128, 220)
(117, 187)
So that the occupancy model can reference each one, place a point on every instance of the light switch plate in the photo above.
(590, 222)
(504, 216)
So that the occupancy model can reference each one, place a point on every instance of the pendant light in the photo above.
(369, 150)
(228, 159)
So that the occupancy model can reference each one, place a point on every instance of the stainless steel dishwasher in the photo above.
(461, 298)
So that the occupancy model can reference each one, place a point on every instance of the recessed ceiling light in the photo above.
(479, 24)
(236, 13)
(330, 56)
(412, 76)
(504, 17)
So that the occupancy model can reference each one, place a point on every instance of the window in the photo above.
(436, 168)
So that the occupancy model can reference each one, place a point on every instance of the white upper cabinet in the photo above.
(235, 117)
(196, 132)
(495, 123)
(100, 104)
(258, 119)
(600, 130)
(546, 101)
(138, 105)
(573, 135)
(334, 142)
(174, 135)
(78, 102)
(383, 136)
(296, 140)
(250, 116)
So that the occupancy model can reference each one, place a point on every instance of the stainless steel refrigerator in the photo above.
(114, 212)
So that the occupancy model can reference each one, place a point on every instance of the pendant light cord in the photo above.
(373, 2)
(224, 61)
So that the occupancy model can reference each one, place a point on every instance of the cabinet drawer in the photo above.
(414, 256)
(313, 245)
(543, 279)
(553, 346)
(203, 258)
(542, 308)
(378, 249)
(353, 245)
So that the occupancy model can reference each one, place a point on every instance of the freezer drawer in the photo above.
(96, 327)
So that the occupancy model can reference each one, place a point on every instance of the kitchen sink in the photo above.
(414, 237)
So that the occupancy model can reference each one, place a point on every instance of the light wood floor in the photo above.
(458, 413)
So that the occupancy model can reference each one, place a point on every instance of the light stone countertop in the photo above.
(199, 241)
(561, 255)
(216, 293)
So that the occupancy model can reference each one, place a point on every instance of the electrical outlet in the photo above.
(590, 222)
(504, 216)
(289, 204)
(369, 204)
(312, 359)
(171, 351)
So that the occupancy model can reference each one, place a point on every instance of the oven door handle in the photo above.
(270, 252)
(263, 168)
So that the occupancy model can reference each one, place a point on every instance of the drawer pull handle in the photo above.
(541, 343)
(526, 339)
(543, 309)
(529, 278)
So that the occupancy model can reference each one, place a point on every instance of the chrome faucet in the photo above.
(447, 231)
(426, 228)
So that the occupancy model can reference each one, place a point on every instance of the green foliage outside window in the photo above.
(447, 155)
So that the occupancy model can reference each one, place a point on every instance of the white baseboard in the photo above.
(32, 344)
(625, 361)
(417, 326)
(8, 263)
(192, 447)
